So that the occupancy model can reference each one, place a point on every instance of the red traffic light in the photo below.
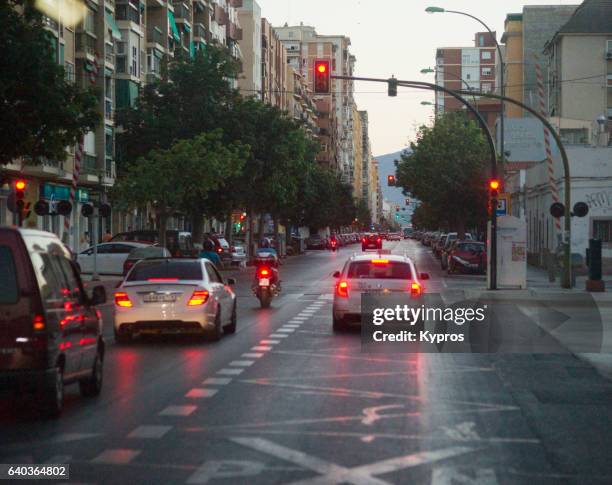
(390, 180)
(322, 82)
(20, 185)
(494, 184)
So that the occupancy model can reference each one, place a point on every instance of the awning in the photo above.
(113, 26)
(186, 27)
(157, 53)
(173, 27)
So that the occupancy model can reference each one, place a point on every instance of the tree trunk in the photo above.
(260, 229)
(249, 235)
(460, 223)
(162, 222)
(229, 228)
(277, 237)
(198, 228)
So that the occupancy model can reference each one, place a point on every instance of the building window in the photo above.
(603, 230)
(486, 87)
(481, 40)
(134, 66)
(486, 71)
(88, 22)
(291, 34)
(69, 71)
(121, 65)
(486, 55)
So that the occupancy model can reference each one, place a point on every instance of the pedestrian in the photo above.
(107, 236)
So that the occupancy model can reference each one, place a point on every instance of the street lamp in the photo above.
(429, 70)
(426, 103)
(501, 74)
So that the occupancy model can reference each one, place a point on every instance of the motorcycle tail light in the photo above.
(264, 272)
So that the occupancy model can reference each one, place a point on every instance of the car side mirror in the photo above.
(336, 274)
(231, 281)
(424, 276)
(98, 295)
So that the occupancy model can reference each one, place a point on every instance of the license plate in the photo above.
(264, 282)
(159, 298)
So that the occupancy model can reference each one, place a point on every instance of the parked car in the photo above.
(316, 241)
(467, 256)
(438, 244)
(451, 238)
(371, 241)
(138, 254)
(50, 330)
(110, 258)
(174, 296)
(364, 273)
(179, 243)
(395, 236)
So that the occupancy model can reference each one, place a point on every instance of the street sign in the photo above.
(502, 207)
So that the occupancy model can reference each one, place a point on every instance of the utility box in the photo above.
(511, 253)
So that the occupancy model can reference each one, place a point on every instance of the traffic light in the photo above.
(392, 87)
(407, 201)
(494, 186)
(322, 79)
(87, 210)
(390, 180)
(20, 188)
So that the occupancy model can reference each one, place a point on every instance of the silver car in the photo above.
(174, 296)
(372, 273)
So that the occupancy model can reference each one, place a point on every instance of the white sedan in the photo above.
(372, 273)
(110, 258)
(174, 296)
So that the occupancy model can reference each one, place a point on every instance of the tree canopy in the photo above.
(41, 112)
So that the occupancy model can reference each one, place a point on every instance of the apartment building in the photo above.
(580, 74)
(525, 36)
(366, 156)
(273, 69)
(357, 154)
(473, 68)
(304, 46)
(250, 80)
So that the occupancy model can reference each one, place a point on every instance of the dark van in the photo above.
(50, 330)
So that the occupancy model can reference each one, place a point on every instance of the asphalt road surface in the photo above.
(284, 400)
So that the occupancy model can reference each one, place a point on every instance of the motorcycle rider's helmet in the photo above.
(209, 245)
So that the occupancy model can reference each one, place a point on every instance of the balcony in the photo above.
(86, 44)
(233, 31)
(127, 12)
(199, 31)
(155, 36)
(181, 11)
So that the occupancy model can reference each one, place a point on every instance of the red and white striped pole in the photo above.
(78, 158)
(549, 159)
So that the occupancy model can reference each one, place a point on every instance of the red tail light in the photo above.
(220, 250)
(379, 240)
(416, 289)
(38, 322)
(198, 298)
(264, 272)
(123, 300)
(342, 289)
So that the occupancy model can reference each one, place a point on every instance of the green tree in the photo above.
(41, 112)
(178, 178)
(447, 170)
(364, 216)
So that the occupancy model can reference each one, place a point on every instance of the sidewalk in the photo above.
(537, 279)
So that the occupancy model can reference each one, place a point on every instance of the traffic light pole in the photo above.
(566, 280)
(488, 136)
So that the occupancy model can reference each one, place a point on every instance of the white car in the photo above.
(372, 273)
(174, 296)
(238, 254)
(110, 259)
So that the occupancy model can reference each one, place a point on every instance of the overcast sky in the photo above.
(395, 37)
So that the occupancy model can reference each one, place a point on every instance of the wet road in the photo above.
(284, 400)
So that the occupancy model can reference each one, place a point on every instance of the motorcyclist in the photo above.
(333, 241)
(267, 258)
(208, 252)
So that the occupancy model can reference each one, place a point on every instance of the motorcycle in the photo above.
(333, 245)
(265, 288)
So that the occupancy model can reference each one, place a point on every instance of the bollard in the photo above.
(594, 283)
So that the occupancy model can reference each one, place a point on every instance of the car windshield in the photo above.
(384, 269)
(166, 270)
(149, 252)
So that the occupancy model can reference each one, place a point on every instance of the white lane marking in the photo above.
(299, 319)
(251, 355)
(178, 410)
(117, 456)
(213, 469)
(291, 325)
(327, 296)
(333, 473)
(269, 342)
(261, 348)
(286, 330)
(68, 437)
(58, 460)
(230, 372)
(149, 431)
(242, 363)
(217, 381)
(201, 392)
(279, 335)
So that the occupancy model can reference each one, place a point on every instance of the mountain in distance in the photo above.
(386, 166)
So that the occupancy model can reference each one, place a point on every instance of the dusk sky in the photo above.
(395, 37)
